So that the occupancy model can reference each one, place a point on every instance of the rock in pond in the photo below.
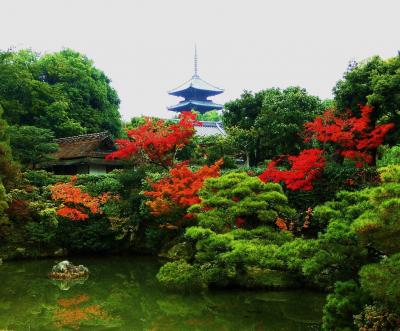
(67, 271)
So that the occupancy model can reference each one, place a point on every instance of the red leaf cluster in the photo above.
(355, 137)
(76, 204)
(156, 141)
(305, 168)
(179, 189)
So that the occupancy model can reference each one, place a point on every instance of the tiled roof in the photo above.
(198, 84)
(209, 128)
(195, 104)
(87, 145)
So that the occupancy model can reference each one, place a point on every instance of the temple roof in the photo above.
(86, 145)
(195, 84)
(209, 128)
(200, 106)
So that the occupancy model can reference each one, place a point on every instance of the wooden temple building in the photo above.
(83, 154)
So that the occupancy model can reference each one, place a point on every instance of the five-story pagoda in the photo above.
(195, 93)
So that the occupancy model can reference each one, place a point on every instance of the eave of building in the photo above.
(195, 84)
(196, 105)
(82, 160)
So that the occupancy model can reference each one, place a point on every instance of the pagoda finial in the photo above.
(195, 62)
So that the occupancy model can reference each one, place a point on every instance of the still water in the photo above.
(123, 294)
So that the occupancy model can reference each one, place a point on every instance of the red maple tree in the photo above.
(156, 141)
(304, 170)
(356, 138)
(179, 190)
(76, 204)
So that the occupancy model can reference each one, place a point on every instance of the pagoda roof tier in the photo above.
(195, 84)
(200, 106)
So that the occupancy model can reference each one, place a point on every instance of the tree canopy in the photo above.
(8, 168)
(32, 145)
(276, 118)
(60, 91)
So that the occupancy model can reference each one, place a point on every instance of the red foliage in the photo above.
(19, 210)
(180, 189)
(355, 137)
(156, 141)
(305, 168)
(240, 222)
(76, 204)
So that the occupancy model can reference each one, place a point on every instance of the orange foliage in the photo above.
(281, 224)
(73, 301)
(180, 189)
(76, 204)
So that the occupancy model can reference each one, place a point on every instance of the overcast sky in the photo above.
(146, 47)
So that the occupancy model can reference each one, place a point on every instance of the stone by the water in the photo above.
(66, 270)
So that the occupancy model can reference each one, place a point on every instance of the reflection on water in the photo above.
(123, 294)
(66, 284)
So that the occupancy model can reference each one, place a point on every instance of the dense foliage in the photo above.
(9, 170)
(61, 91)
(31, 145)
(275, 118)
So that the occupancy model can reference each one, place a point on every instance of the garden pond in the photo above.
(123, 294)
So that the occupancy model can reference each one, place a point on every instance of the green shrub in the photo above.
(41, 178)
(180, 275)
(89, 236)
(346, 300)
(236, 195)
(382, 281)
(391, 156)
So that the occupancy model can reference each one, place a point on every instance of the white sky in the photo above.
(146, 46)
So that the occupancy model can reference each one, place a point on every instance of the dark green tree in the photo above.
(92, 102)
(32, 145)
(61, 91)
(3, 205)
(275, 119)
(9, 170)
(241, 114)
(280, 123)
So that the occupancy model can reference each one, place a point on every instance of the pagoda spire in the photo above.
(195, 62)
